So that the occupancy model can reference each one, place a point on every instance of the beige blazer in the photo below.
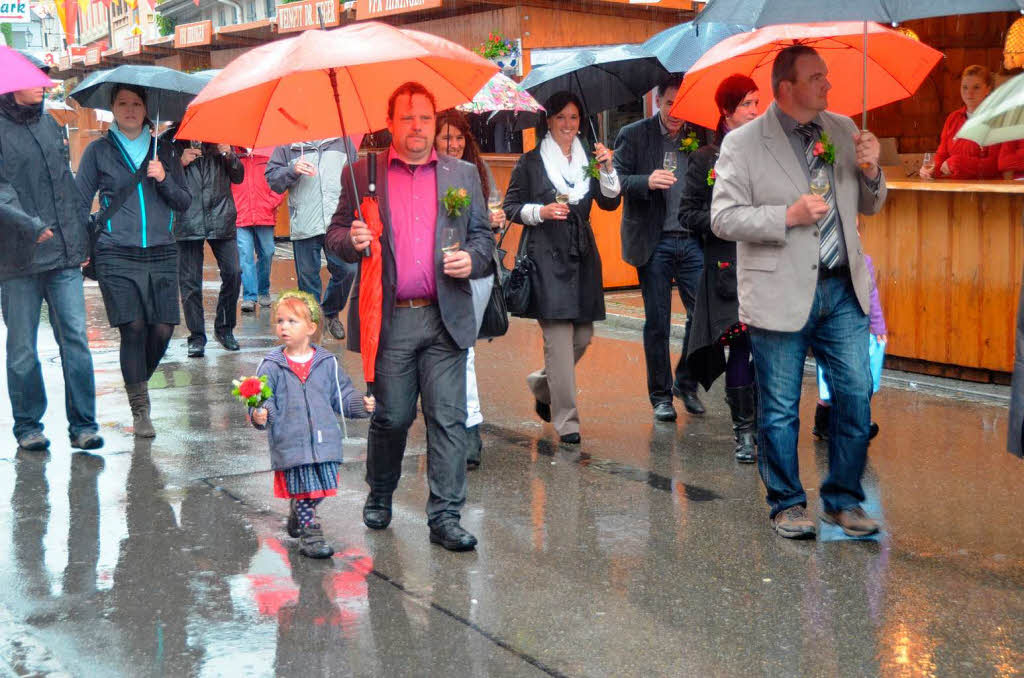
(758, 176)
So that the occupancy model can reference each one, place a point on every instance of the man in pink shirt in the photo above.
(427, 316)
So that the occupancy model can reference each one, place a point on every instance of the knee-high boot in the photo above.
(138, 398)
(742, 401)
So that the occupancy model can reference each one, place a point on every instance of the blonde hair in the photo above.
(304, 308)
(979, 71)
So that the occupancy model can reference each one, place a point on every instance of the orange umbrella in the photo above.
(896, 66)
(309, 86)
(371, 294)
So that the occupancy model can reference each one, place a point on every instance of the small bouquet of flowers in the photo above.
(253, 391)
(689, 143)
(456, 200)
(592, 170)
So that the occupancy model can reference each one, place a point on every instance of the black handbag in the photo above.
(97, 219)
(495, 320)
(517, 287)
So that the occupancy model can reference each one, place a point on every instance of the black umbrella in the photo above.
(759, 13)
(602, 78)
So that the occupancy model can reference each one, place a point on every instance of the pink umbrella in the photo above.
(17, 72)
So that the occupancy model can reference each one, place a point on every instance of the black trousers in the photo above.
(190, 280)
(419, 360)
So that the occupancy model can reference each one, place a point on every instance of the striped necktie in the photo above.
(828, 225)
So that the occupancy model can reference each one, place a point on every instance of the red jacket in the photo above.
(254, 200)
(967, 160)
(1011, 158)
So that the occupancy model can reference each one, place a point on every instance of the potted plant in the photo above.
(504, 52)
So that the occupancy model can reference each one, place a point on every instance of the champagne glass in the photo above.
(494, 201)
(670, 162)
(450, 240)
(928, 163)
(562, 198)
(819, 182)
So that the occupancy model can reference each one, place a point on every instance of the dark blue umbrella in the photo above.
(602, 78)
(679, 47)
(767, 12)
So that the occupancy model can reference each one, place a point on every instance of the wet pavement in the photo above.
(644, 552)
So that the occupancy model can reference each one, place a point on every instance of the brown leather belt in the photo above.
(414, 303)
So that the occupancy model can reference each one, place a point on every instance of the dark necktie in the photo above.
(828, 245)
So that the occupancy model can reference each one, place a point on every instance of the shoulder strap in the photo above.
(119, 200)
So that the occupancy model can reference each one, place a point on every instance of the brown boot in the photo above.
(138, 398)
(853, 521)
(794, 523)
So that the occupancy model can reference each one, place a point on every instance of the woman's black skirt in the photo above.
(139, 283)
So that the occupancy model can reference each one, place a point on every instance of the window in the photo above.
(250, 12)
(223, 18)
(271, 8)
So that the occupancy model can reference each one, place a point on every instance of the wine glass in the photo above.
(670, 162)
(928, 163)
(819, 182)
(562, 198)
(494, 201)
(450, 240)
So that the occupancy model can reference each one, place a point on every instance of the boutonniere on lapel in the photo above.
(825, 149)
(592, 170)
(456, 200)
(712, 175)
(689, 143)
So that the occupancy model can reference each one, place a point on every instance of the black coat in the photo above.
(567, 283)
(716, 308)
(37, 191)
(212, 213)
(638, 152)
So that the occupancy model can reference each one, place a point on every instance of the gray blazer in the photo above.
(454, 296)
(758, 177)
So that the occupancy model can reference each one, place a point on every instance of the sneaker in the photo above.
(794, 523)
(248, 306)
(335, 327)
(265, 300)
(312, 543)
(87, 440)
(853, 521)
(34, 441)
(293, 527)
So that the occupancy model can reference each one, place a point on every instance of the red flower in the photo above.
(819, 148)
(714, 175)
(250, 387)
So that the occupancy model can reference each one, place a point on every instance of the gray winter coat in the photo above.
(302, 416)
(311, 200)
(37, 191)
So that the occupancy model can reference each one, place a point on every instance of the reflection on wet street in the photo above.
(646, 551)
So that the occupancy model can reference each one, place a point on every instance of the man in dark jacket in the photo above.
(664, 251)
(209, 172)
(45, 244)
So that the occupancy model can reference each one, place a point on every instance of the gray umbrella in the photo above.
(602, 78)
(168, 92)
(679, 47)
(767, 12)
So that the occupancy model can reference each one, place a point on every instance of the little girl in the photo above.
(310, 389)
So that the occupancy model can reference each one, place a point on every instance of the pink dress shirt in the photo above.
(412, 199)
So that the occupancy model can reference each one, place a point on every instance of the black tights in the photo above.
(142, 347)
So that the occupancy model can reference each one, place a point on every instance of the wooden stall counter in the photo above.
(948, 255)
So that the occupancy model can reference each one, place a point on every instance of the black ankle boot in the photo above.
(821, 422)
(742, 401)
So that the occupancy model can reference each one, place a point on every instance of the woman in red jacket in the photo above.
(961, 158)
(256, 205)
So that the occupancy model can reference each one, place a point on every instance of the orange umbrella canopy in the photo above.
(371, 293)
(897, 65)
(281, 92)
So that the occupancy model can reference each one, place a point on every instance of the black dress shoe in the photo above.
(377, 511)
(227, 340)
(452, 536)
(570, 438)
(664, 411)
(196, 348)
(690, 400)
(543, 410)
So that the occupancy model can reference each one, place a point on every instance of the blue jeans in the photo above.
(255, 254)
(307, 271)
(22, 301)
(680, 261)
(837, 332)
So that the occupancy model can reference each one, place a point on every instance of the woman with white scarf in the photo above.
(551, 192)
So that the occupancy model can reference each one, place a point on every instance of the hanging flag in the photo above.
(67, 12)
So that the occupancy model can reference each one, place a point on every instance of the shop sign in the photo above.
(131, 44)
(373, 9)
(15, 11)
(92, 56)
(301, 16)
(65, 62)
(193, 35)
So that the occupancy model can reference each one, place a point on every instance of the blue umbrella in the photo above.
(767, 12)
(602, 78)
(679, 47)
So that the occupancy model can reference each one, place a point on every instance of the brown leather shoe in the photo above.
(794, 523)
(853, 521)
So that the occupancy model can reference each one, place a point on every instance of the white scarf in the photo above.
(567, 176)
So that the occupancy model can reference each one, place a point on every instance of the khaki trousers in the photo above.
(565, 342)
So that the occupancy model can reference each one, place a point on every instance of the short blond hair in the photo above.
(982, 72)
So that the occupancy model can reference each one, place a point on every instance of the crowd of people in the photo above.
(766, 267)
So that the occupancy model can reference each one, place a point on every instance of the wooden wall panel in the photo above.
(471, 29)
(558, 28)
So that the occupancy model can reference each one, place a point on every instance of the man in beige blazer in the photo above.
(803, 282)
